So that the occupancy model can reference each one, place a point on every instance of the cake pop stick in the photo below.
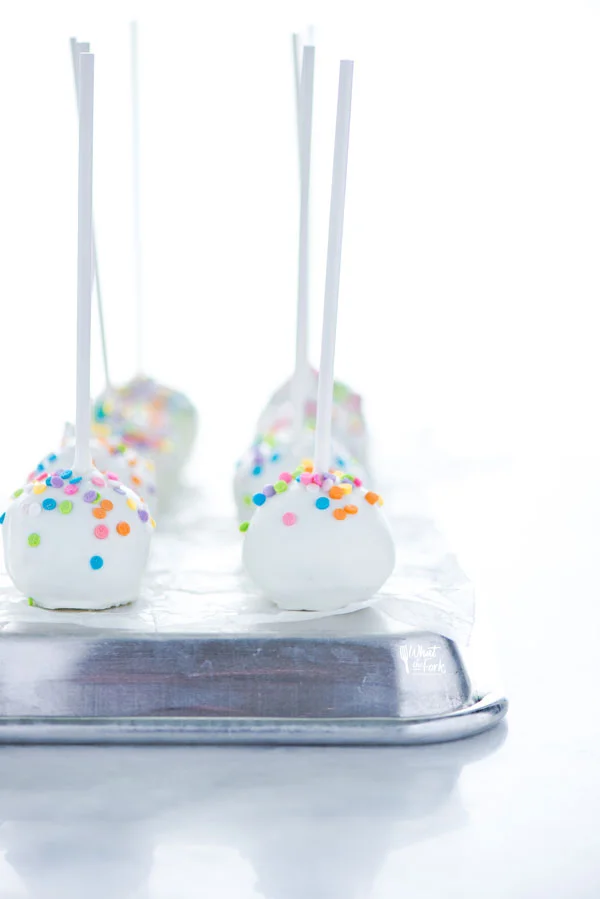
(137, 214)
(296, 54)
(334, 261)
(83, 459)
(301, 370)
(78, 47)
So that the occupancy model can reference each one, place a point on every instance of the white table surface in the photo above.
(512, 813)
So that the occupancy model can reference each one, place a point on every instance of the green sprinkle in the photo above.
(247, 499)
(30, 601)
(65, 507)
(17, 493)
(297, 471)
(34, 539)
(244, 526)
(269, 439)
(280, 486)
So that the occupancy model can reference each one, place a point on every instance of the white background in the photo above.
(468, 319)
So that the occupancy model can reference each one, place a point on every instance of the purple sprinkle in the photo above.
(269, 490)
(90, 496)
(56, 481)
(143, 514)
(151, 489)
(118, 490)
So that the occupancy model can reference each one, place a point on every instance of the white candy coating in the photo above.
(134, 469)
(52, 554)
(265, 461)
(348, 423)
(318, 562)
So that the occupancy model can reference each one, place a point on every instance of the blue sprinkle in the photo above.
(259, 499)
(322, 503)
(74, 480)
(340, 462)
(96, 562)
(66, 474)
(100, 413)
(2, 517)
(48, 482)
(49, 504)
(256, 470)
(40, 467)
(275, 457)
(52, 457)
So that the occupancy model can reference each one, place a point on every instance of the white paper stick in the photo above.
(300, 377)
(296, 54)
(83, 460)
(137, 213)
(78, 47)
(334, 260)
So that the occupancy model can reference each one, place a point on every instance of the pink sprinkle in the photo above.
(101, 532)
(98, 482)
(111, 476)
(318, 480)
(285, 477)
(70, 489)
(42, 476)
(306, 478)
(357, 482)
(289, 519)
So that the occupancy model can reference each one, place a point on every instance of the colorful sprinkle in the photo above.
(34, 539)
(256, 470)
(322, 503)
(90, 497)
(123, 528)
(106, 505)
(75, 480)
(18, 493)
(38, 488)
(351, 510)
(347, 488)
(101, 532)
(269, 490)
(336, 492)
(275, 457)
(56, 481)
(2, 517)
(285, 476)
(371, 497)
(244, 526)
(259, 499)
(111, 476)
(99, 482)
(131, 503)
(280, 486)
(119, 490)
(49, 504)
(96, 562)
(306, 478)
(289, 519)
(52, 457)
(135, 480)
(98, 512)
(247, 499)
(65, 507)
(143, 515)
(357, 482)
(339, 514)
(65, 475)
(71, 489)
(152, 522)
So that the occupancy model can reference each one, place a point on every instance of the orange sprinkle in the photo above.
(339, 514)
(371, 497)
(132, 462)
(123, 528)
(336, 493)
(136, 480)
(98, 512)
(106, 505)
(351, 510)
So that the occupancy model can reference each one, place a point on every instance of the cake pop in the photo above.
(109, 455)
(78, 539)
(273, 453)
(317, 541)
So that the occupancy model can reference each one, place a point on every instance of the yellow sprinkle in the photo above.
(347, 488)
(380, 501)
(39, 487)
(132, 504)
(152, 522)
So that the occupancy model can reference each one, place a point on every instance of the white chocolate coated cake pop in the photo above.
(77, 542)
(274, 453)
(318, 542)
(153, 420)
(110, 456)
